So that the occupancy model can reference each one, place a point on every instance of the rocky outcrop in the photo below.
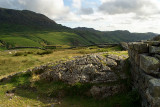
(102, 70)
(145, 61)
(94, 68)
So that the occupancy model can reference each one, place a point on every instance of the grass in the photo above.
(31, 91)
(13, 61)
(24, 38)
(2, 48)
(36, 96)
(40, 39)
(119, 100)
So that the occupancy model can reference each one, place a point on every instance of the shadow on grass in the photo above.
(68, 95)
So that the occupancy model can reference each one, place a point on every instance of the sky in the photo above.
(104, 15)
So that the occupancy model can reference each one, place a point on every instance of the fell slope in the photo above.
(27, 28)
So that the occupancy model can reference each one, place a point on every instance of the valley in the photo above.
(46, 64)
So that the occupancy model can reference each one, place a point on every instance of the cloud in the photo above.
(140, 7)
(86, 11)
(106, 15)
(76, 4)
(51, 8)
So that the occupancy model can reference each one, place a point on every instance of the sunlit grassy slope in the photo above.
(66, 38)
(39, 39)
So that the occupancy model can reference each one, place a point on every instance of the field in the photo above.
(10, 38)
(31, 91)
(40, 39)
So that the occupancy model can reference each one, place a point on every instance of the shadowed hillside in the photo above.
(26, 19)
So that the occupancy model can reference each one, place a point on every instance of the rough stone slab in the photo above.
(137, 59)
(124, 45)
(149, 64)
(157, 56)
(154, 50)
(154, 87)
(140, 47)
(143, 48)
(153, 101)
(130, 45)
(153, 43)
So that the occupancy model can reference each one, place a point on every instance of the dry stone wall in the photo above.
(145, 60)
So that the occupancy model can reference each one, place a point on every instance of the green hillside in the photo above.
(29, 29)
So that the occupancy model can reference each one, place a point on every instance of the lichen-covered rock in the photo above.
(139, 47)
(111, 62)
(157, 56)
(149, 64)
(154, 87)
(154, 50)
(145, 71)
(124, 45)
(93, 68)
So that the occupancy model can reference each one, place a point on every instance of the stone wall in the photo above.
(145, 60)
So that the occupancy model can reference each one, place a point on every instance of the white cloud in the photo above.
(51, 8)
(76, 4)
(86, 11)
(140, 7)
(133, 15)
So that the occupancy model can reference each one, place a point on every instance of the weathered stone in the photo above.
(143, 48)
(137, 59)
(90, 68)
(105, 91)
(155, 43)
(154, 87)
(95, 91)
(111, 62)
(130, 45)
(124, 45)
(157, 56)
(145, 76)
(140, 47)
(102, 77)
(105, 68)
(149, 64)
(115, 57)
(154, 50)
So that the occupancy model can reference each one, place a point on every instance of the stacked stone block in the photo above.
(145, 60)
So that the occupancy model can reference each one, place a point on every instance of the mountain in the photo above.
(22, 28)
(112, 36)
(26, 19)
(85, 29)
